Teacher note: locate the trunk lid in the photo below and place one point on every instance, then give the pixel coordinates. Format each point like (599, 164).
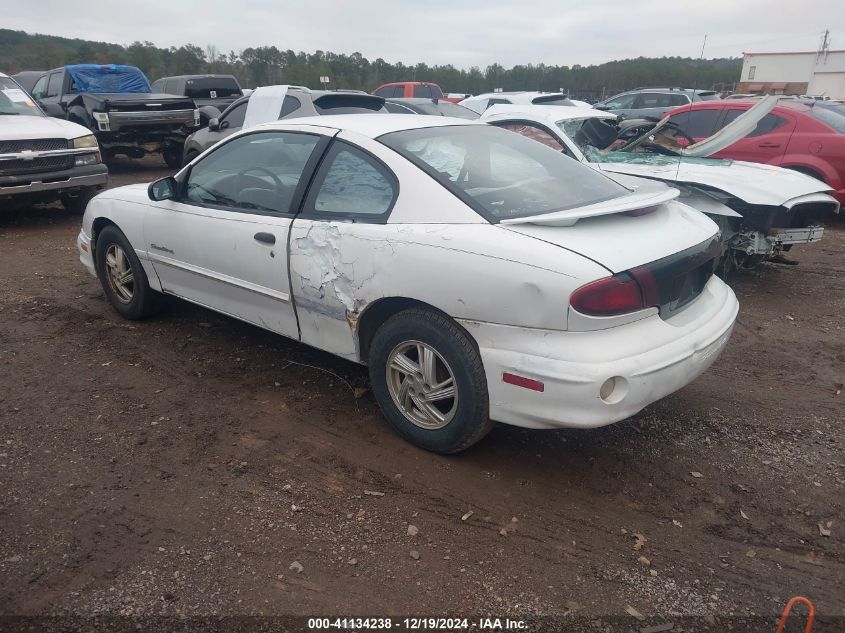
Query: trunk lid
(621, 240)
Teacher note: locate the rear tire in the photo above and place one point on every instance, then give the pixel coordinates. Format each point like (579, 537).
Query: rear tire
(416, 357)
(122, 276)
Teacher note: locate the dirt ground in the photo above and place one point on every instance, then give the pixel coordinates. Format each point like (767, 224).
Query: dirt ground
(193, 465)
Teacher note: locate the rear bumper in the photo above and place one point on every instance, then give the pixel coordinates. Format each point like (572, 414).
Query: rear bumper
(90, 176)
(650, 359)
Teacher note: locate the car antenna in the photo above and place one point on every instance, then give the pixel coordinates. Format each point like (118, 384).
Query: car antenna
(691, 101)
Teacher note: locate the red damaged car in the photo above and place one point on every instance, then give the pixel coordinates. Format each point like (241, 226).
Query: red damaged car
(802, 135)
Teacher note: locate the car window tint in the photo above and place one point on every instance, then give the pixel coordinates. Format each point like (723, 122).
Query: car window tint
(677, 100)
(289, 106)
(535, 133)
(257, 172)
(236, 115)
(652, 100)
(54, 84)
(423, 92)
(353, 184)
(436, 93)
(697, 123)
(620, 102)
(39, 90)
(397, 108)
(501, 174)
(767, 124)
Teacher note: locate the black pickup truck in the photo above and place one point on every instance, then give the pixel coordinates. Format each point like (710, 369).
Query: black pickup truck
(118, 105)
(211, 93)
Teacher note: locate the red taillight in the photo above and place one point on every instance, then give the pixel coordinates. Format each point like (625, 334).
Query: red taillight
(610, 296)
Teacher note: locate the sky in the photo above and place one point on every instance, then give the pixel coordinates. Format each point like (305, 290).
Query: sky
(463, 33)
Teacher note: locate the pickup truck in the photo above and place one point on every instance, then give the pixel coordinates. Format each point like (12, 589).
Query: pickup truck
(43, 159)
(118, 105)
(211, 93)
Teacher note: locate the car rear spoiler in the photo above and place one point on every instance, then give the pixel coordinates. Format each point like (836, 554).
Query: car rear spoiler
(637, 201)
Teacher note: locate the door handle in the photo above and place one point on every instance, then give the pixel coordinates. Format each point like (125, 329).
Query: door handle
(265, 238)
(768, 144)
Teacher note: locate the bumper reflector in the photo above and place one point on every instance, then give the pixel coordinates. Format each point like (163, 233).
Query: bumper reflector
(522, 381)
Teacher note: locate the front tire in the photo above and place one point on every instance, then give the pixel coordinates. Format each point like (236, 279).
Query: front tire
(172, 157)
(122, 276)
(76, 202)
(429, 381)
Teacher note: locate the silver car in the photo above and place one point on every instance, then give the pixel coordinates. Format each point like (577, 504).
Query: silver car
(298, 102)
(652, 102)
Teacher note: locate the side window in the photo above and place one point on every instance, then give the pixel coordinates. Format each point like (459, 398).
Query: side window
(697, 123)
(678, 100)
(352, 183)
(289, 106)
(621, 102)
(651, 100)
(235, 116)
(39, 90)
(399, 91)
(385, 91)
(436, 93)
(172, 87)
(423, 91)
(535, 133)
(768, 123)
(54, 84)
(397, 108)
(255, 172)
(157, 85)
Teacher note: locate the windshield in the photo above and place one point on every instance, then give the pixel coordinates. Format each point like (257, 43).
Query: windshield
(830, 115)
(212, 88)
(501, 174)
(13, 100)
(597, 139)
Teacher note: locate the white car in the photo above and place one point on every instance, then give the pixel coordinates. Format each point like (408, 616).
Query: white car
(479, 275)
(760, 209)
(479, 103)
(43, 159)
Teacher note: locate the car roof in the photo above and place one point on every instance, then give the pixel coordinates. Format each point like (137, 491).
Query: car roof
(415, 100)
(793, 104)
(370, 125)
(408, 83)
(548, 113)
(206, 76)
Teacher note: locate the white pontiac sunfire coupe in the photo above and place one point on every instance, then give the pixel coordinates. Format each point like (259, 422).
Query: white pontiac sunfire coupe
(480, 275)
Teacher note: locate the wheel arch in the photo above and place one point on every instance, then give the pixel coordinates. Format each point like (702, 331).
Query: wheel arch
(379, 311)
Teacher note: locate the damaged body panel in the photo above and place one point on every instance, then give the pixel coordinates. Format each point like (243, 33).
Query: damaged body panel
(479, 275)
(759, 208)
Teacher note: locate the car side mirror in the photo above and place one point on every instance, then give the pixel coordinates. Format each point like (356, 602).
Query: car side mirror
(223, 125)
(601, 106)
(214, 124)
(162, 189)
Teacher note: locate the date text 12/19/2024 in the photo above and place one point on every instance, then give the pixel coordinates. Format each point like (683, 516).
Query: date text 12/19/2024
(416, 624)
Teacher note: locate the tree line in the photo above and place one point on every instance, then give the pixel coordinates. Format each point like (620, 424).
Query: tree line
(265, 65)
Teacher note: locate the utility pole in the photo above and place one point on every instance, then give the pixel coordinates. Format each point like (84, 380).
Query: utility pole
(825, 46)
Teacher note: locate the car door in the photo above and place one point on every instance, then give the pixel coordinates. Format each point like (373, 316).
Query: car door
(342, 223)
(765, 144)
(49, 89)
(223, 241)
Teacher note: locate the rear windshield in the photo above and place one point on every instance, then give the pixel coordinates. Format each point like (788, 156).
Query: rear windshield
(340, 103)
(212, 88)
(831, 115)
(444, 108)
(501, 174)
(13, 100)
(558, 100)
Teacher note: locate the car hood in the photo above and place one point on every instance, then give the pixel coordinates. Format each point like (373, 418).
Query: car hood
(753, 183)
(32, 127)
